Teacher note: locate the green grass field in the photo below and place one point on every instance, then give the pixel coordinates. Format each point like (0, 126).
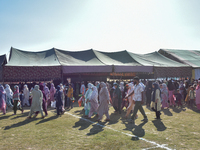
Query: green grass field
(178, 129)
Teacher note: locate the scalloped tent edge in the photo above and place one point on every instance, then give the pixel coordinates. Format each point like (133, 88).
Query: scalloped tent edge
(54, 63)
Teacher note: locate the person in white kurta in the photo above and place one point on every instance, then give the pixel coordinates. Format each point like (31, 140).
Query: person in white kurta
(37, 98)
(26, 96)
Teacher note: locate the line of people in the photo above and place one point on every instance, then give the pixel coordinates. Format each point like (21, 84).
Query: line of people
(96, 98)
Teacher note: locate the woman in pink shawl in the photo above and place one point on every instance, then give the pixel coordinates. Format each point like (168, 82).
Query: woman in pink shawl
(52, 93)
(104, 101)
(164, 96)
(198, 95)
(2, 99)
(93, 101)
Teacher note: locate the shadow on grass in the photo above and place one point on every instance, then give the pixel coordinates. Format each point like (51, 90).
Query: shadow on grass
(114, 118)
(82, 124)
(135, 138)
(4, 117)
(96, 128)
(137, 130)
(24, 122)
(196, 110)
(167, 112)
(149, 108)
(22, 115)
(79, 112)
(159, 125)
(47, 119)
(178, 109)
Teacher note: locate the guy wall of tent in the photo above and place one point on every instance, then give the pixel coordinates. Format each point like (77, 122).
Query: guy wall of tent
(59, 64)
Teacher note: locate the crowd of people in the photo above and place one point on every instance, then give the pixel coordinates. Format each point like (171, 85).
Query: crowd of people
(96, 97)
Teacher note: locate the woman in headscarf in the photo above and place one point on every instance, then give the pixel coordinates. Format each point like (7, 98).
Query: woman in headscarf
(9, 96)
(171, 89)
(182, 89)
(44, 101)
(52, 93)
(37, 97)
(148, 93)
(109, 88)
(87, 97)
(117, 98)
(46, 92)
(188, 88)
(131, 100)
(164, 96)
(70, 96)
(59, 102)
(156, 100)
(104, 101)
(93, 101)
(125, 102)
(97, 84)
(63, 96)
(2, 99)
(123, 89)
(16, 100)
(198, 95)
(26, 96)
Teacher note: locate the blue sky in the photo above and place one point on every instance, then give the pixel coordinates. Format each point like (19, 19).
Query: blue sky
(139, 26)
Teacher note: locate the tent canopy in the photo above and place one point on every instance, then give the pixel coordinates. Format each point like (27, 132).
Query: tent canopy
(3, 61)
(156, 59)
(56, 57)
(189, 57)
(32, 66)
(27, 58)
(23, 64)
(78, 58)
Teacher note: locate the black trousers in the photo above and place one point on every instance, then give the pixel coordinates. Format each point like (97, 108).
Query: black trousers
(59, 110)
(138, 106)
(157, 112)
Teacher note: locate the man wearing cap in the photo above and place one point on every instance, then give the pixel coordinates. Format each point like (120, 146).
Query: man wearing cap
(138, 98)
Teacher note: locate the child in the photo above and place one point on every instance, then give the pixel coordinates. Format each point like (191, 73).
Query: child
(178, 97)
(191, 96)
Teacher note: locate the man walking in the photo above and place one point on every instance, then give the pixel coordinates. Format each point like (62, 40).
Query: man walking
(138, 98)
